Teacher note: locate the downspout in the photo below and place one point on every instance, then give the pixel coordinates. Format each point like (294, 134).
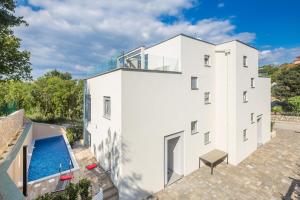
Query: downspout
(85, 137)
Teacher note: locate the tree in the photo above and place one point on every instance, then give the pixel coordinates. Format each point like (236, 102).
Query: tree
(14, 64)
(56, 73)
(277, 109)
(295, 103)
(288, 83)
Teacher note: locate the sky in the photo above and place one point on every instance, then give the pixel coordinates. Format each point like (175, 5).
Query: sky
(79, 36)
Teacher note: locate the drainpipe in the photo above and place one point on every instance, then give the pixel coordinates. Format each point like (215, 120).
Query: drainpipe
(85, 137)
(25, 171)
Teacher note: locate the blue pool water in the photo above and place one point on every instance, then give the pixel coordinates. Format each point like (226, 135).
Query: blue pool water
(46, 158)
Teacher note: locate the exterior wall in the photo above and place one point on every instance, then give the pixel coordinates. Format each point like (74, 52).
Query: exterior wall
(244, 110)
(263, 106)
(15, 170)
(225, 111)
(106, 133)
(41, 130)
(148, 106)
(9, 126)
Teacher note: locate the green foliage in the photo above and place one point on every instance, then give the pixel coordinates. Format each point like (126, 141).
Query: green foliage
(277, 109)
(295, 103)
(14, 64)
(84, 189)
(48, 99)
(70, 136)
(288, 82)
(270, 71)
(76, 131)
(71, 192)
(56, 73)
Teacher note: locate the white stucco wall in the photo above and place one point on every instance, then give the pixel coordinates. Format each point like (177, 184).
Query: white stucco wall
(147, 106)
(106, 133)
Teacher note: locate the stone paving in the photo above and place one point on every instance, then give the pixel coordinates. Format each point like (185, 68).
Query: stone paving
(271, 172)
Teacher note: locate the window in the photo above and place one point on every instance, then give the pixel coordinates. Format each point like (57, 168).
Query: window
(252, 118)
(206, 97)
(245, 61)
(252, 83)
(106, 107)
(206, 138)
(245, 98)
(194, 127)
(88, 107)
(194, 83)
(245, 138)
(206, 60)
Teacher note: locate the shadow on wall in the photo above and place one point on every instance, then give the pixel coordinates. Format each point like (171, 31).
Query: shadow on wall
(294, 189)
(112, 148)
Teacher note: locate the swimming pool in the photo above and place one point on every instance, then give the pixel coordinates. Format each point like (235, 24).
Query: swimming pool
(47, 157)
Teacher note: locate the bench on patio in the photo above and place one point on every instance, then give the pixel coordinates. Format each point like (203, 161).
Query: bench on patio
(213, 158)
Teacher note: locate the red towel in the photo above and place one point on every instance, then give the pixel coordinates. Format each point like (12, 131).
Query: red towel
(66, 177)
(92, 166)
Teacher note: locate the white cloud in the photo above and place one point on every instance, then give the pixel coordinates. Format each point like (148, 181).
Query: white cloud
(221, 5)
(278, 55)
(65, 34)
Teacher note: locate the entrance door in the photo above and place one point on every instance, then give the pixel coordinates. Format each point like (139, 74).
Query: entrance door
(173, 158)
(259, 131)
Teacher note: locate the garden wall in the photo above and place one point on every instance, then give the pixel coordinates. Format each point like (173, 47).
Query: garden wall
(285, 118)
(9, 127)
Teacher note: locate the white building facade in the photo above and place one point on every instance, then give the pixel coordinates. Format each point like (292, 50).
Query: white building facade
(150, 119)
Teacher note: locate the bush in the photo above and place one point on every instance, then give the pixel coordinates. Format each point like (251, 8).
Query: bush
(294, 102)
(70, 137)
(84, 188)
(76, 131)
(277, 109)
(71, 192)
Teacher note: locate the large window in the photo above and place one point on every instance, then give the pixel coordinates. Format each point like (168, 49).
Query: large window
(245, 137)
(88, 107)
(206, 97)
(194, 83)
(106, 107)
(245, 97)
(206, 60)
(245, 61)
(194, 127)
(206, 138)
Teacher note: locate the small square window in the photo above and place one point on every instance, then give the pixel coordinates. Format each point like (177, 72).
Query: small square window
(206, 60)
(245, 61)
(194, 127)
(245, 97)
(252, 83)
(245, 138)
(206, 138)
(206, 97)
(194, 83)
(106, 107)
(252, 118)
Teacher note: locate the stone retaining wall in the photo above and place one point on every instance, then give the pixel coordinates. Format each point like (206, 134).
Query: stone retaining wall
(9, 127)
(285, 118)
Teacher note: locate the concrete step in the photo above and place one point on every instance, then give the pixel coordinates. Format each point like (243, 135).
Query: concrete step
(110, 193)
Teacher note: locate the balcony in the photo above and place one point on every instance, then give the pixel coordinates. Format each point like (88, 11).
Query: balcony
(138, 59)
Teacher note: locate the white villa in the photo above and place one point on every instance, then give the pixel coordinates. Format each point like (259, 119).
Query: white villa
(150, 119)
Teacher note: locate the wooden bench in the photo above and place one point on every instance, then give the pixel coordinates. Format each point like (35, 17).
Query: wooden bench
(213, 158)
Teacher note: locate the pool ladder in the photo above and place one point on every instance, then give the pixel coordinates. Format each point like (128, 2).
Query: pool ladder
(60, 167)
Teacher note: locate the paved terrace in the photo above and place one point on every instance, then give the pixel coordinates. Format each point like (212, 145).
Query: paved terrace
(272, 172)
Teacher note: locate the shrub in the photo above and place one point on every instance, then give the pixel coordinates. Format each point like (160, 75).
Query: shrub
(84, 188)
(72, 191)
(70, 137)
(76, 131)
(295, 103)
(277, 109)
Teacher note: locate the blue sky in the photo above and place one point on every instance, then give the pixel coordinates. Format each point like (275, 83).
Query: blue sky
(77, 36)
